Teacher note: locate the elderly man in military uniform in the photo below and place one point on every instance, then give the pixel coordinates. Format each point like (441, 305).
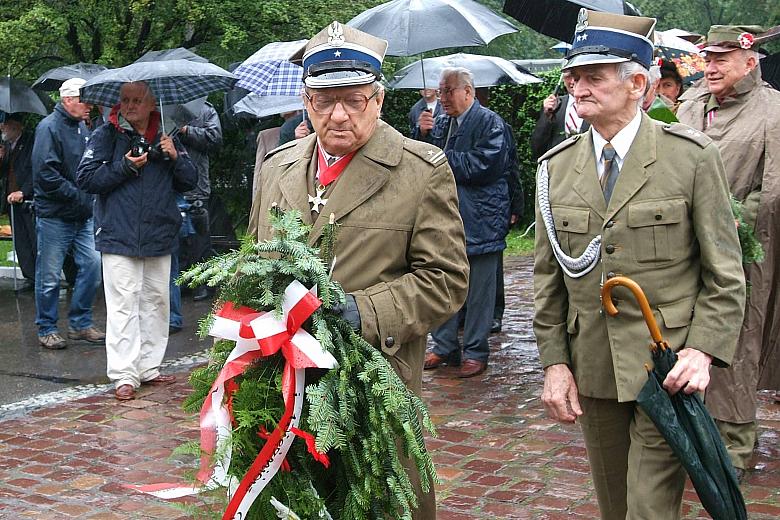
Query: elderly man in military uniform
(740, 113)
(634, 197)
(400, 252)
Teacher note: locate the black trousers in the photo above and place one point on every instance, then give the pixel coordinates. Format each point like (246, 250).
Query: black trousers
(23, 228)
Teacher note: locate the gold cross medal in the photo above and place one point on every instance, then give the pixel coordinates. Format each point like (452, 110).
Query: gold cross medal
(317, 200)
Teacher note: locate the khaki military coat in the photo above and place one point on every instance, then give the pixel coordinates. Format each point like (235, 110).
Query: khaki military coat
(400, 248)
(668, 226)
(746, 129)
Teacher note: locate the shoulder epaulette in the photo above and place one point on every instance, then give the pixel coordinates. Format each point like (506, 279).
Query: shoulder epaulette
(425, 151)
(561, 146)
(285, 146)
(686, 132)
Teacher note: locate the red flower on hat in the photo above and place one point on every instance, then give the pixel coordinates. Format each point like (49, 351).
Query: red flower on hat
(745, 40)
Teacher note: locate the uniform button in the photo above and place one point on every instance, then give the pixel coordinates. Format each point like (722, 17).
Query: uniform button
(609, 249)
(610, 275)
(658, 217)
(609, 224)
(389, 341)
(565, 222)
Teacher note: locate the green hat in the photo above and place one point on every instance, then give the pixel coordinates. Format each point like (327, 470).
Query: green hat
(726, 38)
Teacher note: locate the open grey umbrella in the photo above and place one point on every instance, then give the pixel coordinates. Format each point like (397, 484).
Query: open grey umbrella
(488, 71)
(415, 26)
(17, 96)
(684, 421)
(262, 106)
(557, 18)
(179, 53)
(53, 78)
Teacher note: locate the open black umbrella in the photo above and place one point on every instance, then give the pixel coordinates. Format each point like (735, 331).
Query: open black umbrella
(53, 78)
(17, 96)
(684, 421)
(557, 18)
(770, 70)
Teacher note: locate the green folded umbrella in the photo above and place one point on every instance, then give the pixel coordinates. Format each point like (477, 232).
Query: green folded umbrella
(684, 422)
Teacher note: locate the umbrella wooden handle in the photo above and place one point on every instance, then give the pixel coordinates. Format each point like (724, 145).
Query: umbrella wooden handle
(606, 298)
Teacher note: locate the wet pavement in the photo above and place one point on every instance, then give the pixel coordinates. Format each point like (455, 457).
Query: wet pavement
(28, 371)
(497, 455)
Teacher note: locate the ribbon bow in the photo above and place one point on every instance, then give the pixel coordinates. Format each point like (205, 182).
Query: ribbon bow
(257, 335)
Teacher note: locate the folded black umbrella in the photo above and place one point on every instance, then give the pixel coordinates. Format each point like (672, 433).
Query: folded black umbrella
(684, 422)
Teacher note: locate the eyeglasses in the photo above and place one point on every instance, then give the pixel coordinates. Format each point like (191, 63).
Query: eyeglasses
(448, 91)
(353, 103)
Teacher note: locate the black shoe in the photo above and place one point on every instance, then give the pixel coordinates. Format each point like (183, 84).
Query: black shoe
(496, 326)
(173, 329)
(200, 293)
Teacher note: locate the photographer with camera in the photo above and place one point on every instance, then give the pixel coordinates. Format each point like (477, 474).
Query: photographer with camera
(136, 172)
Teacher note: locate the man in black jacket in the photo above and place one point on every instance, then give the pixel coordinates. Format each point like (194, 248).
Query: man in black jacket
(64, 221)
(16, 171)
(136, 172)
(557, 121)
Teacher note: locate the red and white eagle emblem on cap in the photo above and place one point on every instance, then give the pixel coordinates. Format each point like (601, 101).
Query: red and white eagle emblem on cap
(745, 40)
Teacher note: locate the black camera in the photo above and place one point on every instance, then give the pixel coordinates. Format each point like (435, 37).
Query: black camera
(140, 146)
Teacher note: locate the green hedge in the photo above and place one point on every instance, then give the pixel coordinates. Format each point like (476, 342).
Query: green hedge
(232, 166)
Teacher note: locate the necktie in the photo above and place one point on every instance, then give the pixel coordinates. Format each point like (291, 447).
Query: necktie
(610, 173)
(331, 160)
(572, 123)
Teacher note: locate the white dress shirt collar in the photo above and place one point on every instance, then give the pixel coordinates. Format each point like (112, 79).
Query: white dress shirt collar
(621, 142)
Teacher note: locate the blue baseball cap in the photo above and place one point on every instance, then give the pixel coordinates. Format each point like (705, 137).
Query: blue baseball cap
(611, 38)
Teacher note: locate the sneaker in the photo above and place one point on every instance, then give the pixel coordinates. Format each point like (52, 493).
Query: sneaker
(52, 341)
(90, 334)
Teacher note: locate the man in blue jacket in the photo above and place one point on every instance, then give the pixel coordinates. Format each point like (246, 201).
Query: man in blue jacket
(64, 221)
(475, 143)
(136, 172)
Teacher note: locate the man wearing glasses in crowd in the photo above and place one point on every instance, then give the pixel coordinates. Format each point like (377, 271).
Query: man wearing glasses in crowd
(476, 143)
(400, 249)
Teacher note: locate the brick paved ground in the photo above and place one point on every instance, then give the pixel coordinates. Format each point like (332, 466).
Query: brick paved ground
(497, 455)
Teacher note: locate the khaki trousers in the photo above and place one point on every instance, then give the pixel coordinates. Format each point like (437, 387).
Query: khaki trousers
(635, 473)
(137, 309)
(740, 440)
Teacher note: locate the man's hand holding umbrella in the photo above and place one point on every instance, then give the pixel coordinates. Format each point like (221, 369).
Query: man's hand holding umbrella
(691, 373)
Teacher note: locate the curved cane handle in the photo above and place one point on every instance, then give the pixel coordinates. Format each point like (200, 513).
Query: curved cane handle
(606, 298)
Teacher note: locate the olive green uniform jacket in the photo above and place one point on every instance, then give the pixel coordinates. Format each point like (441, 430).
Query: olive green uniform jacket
(400, 248)
(668, 226)
(746, 130)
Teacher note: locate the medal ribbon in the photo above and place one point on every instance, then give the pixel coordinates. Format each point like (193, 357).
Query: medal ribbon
(328, 174)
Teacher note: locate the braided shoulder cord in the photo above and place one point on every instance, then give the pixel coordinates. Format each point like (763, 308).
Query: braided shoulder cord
(573, 267)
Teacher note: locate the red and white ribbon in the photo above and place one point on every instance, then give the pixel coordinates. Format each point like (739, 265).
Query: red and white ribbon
(257, 335)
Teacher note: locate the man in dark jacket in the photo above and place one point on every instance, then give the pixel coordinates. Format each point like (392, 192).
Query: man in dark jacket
(16, 172)
(475, 143)
(557, 121)
(428, 102)
(64, 221)
(201, 136)
(136, 172)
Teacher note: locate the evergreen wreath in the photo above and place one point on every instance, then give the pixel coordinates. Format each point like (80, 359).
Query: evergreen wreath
(752, 250)
(360, 413)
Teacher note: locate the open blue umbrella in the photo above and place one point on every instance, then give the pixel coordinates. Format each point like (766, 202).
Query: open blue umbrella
(268, 72)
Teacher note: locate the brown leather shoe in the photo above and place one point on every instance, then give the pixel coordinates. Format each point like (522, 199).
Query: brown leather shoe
(433, 360)
(162, 379)
(472, 367)
(125, 393)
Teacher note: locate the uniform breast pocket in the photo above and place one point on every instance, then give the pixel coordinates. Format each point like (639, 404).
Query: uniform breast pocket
(660, 230)
(571, 226)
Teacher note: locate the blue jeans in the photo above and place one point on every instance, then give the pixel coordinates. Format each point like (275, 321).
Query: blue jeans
(176, 319)
(55, 238)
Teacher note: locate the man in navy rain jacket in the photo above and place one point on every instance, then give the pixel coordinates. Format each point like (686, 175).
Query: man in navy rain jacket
(475, 142)
(135, 172)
